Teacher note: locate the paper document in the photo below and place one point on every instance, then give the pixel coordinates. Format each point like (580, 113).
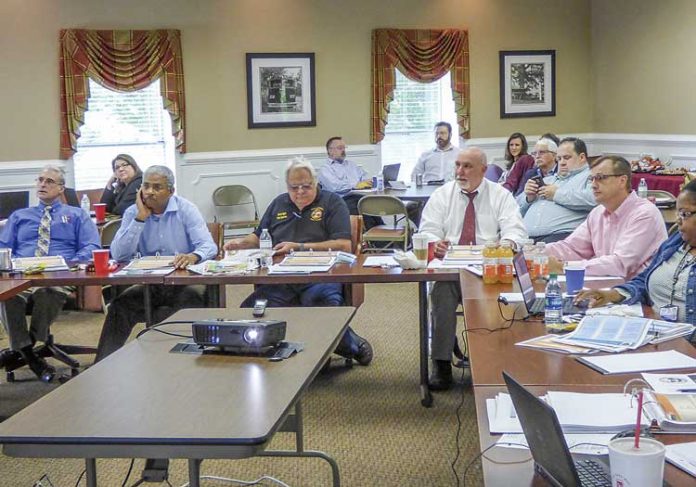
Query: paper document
(683, 456)
(151, 262)
(49, 263)
(579, 443)
(212, 267)
(380, 261)
(550, 344)
(639, 362)
(609, 333)
(671, 383)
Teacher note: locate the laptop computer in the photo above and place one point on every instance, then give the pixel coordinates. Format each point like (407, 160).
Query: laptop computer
(534, 305)
(552, 458)
(391, 172)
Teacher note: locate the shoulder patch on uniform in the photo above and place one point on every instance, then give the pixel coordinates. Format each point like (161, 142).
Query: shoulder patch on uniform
(317, 214)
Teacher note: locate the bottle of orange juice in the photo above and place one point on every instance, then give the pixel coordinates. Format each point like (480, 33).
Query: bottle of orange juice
(505, 256)
(490, 262)
(541, 261)
(529, 255)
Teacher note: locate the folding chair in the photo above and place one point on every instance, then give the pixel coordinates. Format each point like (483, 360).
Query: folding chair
(380, 237)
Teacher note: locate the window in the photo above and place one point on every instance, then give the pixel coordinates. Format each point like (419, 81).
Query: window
(413, 113)
(134, 123)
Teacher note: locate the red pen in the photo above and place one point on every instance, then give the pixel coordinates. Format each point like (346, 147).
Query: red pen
(640, 412)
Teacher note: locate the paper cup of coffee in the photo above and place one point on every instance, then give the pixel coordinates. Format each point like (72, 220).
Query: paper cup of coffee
(636, 467)
(420, 247)
(575, 277)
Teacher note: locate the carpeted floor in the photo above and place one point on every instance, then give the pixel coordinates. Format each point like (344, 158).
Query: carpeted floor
(367, 418)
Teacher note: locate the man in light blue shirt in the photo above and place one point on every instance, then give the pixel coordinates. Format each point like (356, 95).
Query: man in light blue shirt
(339, 175)
(554, 209)
(69, 232)
(158, 222)
(437, 165)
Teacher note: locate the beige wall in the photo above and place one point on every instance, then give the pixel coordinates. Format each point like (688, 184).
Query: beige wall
(216, 34)
(644, 66)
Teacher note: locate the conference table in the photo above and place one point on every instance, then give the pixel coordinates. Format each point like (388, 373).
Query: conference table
(344, 274)
(8, 289)
(145, 401)
(491, 346)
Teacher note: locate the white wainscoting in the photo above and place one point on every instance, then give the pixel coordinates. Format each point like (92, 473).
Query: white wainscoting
(680, 148)
(21, 176)
(263, 171)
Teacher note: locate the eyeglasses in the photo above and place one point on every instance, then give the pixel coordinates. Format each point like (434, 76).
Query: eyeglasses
(541, 153)
(297, 187)
(602, 177)
(119, 166)
(47, 181)
(683, 214)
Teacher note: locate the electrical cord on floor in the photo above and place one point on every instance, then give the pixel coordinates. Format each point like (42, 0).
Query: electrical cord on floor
(241, 482)
(130, 469)
(165, 323)
(482, 454)
(80, 477)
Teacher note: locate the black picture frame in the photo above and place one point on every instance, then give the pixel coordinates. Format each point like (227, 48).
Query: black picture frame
(527, 84)
(280, 90)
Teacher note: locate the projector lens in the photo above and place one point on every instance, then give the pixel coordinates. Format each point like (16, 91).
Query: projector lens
(251, 335)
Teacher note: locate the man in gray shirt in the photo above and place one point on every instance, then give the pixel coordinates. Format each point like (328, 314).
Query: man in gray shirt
(554, 206)
(438, 164)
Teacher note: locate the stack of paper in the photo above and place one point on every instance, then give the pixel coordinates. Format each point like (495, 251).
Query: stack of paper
(639, 362)
(304, 263)
(461, 255)
(683, 455)
(577, 412)
(45, 263)
(156, 264)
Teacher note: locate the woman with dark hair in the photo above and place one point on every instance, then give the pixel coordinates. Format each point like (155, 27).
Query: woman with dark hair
(669, 283)
(123, 186)
(518, 162)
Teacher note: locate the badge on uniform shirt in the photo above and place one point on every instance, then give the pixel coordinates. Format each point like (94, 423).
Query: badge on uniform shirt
(317, 214)
(281, 215)
(669, 312)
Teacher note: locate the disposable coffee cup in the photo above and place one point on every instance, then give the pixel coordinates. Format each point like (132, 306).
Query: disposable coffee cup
(101, 261)
(575, 277)
(636, 467)
(5, 260)
(100, 211)
(420, 247)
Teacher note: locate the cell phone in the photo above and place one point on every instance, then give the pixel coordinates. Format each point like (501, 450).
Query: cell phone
(538, 180)
(259, 307)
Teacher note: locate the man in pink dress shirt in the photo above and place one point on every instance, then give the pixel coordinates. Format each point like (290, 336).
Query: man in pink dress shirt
(621, 234)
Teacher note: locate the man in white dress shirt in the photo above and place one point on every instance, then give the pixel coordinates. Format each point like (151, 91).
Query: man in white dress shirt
(468, 210)
(438, 164)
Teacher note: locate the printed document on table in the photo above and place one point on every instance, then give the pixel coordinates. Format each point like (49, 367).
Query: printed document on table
(579, 443)
(672, 383)
(380, 261)
(610, 333)
(683, 455)
(639, 362)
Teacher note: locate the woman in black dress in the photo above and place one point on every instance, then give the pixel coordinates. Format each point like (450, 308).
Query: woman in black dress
(123, 186)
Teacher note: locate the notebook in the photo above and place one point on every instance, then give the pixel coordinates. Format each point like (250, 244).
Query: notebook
(552, 458)
(534, 305)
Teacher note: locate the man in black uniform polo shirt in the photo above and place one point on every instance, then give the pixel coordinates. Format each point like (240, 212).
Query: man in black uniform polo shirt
(306, 218)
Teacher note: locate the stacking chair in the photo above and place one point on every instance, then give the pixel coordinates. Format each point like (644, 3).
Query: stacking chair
(493, 172)
(108, 232)
(380, 237)
(666, 203)
(235, 207)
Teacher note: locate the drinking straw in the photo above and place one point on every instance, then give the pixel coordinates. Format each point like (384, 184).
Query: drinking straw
(636, 439)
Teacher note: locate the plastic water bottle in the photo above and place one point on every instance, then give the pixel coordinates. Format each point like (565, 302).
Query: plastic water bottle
(553, 309)
(642, 188)
(85, 204)
(379, 182)
(266, 243)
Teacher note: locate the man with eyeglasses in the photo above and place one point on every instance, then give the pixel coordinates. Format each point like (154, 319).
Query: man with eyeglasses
(620, 235)
(158, 223)
(49, 228)
(554, 206)
(544, 155)
(305, 218)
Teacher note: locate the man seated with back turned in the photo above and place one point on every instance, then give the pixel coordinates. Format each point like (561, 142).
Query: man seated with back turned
(158, 222)
(305, 218)
(437, 165)
(50, 228)
(621, 234)
(469, 210)
(553, 209)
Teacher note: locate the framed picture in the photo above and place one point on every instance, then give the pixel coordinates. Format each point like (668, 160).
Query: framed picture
(280, 90)
(527, 84)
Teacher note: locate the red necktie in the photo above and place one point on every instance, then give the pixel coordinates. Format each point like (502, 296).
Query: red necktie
(468, 236)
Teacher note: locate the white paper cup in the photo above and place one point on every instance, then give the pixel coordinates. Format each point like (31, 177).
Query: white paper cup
(420, 247)
(636, 467)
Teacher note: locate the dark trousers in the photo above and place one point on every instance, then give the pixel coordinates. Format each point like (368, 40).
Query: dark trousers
(287, 295)
(47, 304)
(128, 309)
(554, 237)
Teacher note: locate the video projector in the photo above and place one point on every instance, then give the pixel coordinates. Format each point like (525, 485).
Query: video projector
(239, 336)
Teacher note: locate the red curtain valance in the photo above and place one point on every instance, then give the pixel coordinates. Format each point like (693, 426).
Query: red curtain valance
(125, 60)
(421, 55)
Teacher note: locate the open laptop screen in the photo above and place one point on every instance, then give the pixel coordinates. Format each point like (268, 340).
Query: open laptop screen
(524, 279)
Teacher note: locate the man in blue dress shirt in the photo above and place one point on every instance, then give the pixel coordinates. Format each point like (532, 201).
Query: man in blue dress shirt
(49, 228)
(158, 222)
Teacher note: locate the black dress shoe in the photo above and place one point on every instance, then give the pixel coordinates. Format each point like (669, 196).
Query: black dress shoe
(365, 353)
(441, 377)
(38, 365)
